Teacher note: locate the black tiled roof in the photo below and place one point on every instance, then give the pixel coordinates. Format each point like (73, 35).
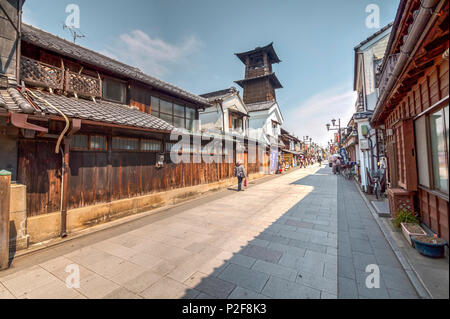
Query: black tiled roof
(217, 95)
(259, 106)
(374, 35)
(273, 57)
(58, 45)
(272, 77)
(100, 111)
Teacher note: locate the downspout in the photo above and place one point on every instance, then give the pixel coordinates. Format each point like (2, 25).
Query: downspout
(65, 167)
(64, 186)
(223, 116)
(406, 51)
(19, 40)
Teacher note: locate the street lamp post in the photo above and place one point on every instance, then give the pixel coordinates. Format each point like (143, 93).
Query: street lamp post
(335, 127)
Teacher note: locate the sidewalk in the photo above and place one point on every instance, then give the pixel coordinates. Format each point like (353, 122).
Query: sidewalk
(274, 240)
(360, 243)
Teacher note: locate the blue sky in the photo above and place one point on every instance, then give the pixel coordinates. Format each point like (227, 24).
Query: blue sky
(191, 43)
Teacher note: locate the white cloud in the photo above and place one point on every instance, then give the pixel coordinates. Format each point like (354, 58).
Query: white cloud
(27, 15)
(152, 55)
(310, 117)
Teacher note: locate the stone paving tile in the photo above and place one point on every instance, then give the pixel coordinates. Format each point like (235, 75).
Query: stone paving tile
(142, 281)
(165, 288)
(122, 293)
(288, 249)
(25, 281)
(308, 245)
(318, 282)
(53, 290)
(275, 270)
(360, 243)
(285, 289)
(244, 277)
(326, 295)
(273, 238)
(96, 287)
(261, 253)
(242, 260)
(5, 294)
(326, 258)
(242, 293)
(215, 287)
(347, 288)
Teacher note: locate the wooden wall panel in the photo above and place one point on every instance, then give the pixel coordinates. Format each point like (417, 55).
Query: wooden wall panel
(39, 168)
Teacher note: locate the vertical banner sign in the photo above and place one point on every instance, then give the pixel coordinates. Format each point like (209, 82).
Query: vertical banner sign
(273, 160)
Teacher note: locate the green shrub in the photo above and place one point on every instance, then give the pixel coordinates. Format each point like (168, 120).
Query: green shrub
(404, 216)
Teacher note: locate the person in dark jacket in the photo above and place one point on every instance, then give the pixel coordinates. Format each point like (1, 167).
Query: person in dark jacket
(239, 172)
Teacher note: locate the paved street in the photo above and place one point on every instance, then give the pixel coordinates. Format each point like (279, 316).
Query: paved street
(277, 239)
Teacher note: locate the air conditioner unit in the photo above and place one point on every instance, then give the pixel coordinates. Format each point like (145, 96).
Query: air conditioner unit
(389, 132)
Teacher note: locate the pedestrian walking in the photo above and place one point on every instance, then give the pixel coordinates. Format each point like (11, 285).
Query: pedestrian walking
(319, 159)
(239, 172)
(337, 164)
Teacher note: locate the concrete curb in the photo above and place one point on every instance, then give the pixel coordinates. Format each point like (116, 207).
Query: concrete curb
(407, 266)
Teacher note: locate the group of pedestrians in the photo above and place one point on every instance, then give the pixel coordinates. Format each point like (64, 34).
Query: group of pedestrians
(241, 175)
(335, 163)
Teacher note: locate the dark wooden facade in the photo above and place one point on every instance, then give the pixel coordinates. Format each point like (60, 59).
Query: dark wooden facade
(422, 90)
(100, 176)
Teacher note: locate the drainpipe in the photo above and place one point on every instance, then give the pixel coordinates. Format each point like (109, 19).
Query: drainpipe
(64, 185)
(65, 167)
(414, 37)
(19, 40)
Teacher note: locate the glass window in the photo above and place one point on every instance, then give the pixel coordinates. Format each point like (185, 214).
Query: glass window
(189, 124)
(438, 151)
(178, 110)
(166, 117)
(114, 90)
(150, 145)
(165, 107)
(128, 144)
(190, 113)
(97, 142)
(178, 121)
(422, 151)
(155, 106)
(79, 141)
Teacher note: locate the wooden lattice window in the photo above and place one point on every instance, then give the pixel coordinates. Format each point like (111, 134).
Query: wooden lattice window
(83, 84)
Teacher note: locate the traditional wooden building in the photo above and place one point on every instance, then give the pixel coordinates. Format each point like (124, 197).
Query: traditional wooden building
(369, 55)
(291, 150)
(89, 137)
(413, 111)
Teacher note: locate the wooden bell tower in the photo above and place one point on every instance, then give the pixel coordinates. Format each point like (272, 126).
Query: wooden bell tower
(260, 81)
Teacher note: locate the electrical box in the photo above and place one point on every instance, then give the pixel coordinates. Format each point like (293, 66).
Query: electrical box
(364, 144)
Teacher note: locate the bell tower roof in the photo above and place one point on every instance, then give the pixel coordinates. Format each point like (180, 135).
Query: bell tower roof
(268, 49)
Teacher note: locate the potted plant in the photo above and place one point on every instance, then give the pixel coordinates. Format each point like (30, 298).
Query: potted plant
(409, 225)
(430, 246)
(412, 229)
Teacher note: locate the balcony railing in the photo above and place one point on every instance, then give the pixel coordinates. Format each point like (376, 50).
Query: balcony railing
(387, 72)
(83, 84)
(40, 74)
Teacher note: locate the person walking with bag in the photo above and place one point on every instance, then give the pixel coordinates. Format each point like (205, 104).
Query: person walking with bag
(239, 172)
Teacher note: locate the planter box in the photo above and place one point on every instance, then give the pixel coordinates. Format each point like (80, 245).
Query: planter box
(407, 233)
(430, 249)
